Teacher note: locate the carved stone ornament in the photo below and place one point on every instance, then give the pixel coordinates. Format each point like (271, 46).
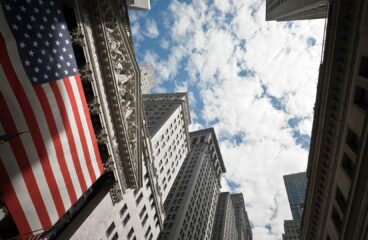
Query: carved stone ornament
(121, 77)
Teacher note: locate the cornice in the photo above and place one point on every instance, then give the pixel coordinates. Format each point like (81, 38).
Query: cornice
(328, 125)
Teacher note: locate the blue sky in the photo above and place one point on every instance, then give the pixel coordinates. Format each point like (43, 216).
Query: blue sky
(253, 81)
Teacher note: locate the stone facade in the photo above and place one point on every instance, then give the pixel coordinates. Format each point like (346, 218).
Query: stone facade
(337, 195)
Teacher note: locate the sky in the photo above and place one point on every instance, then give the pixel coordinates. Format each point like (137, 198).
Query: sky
(253, 81)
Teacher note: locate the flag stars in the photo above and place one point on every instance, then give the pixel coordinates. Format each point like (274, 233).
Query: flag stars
(44, 19)
(53, 27)
(27, 63)
(51, 59)
(34, 79)
(26, 35)
(36, 10)
(57, 42)
(48, 11)
(45, 76)
(31, 53)
(15, 26)
(67, 42)
(56, 74)
(58, 65)
(62, 26)
(32, 18)
(61, 57)
(74, 70)
(22, 8)
(36, 69)
(35, 44)
(51, 3)
(43, 52)
(48, 68)
(47, 43)
(22, 44)
(19, 18)
(64, 49)
(42, 27)
(54, 50)
(66, 72)
(7, 7)
(50, 35)
(60, 34)
(58, 12)
(29, 26)
(39, 60)
(39, 35)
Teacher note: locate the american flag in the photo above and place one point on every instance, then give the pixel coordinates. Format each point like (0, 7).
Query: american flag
(44, 171)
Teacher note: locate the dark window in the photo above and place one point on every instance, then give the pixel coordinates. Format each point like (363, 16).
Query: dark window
(352, 141)
(115, 237)
(110, 229)
(142, 212)
(139, 198)
(123, 210)
(194, 140)
(340, 199)
(361, 97)
(363, 68)
(145, 219)
(126, 219)
(348, 165)
(130, 233)
(336, 220)
(147, 232)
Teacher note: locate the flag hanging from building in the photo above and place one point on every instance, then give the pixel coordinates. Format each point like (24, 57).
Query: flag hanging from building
(44, 171)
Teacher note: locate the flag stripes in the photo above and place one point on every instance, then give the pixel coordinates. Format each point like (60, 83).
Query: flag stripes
(44, 171)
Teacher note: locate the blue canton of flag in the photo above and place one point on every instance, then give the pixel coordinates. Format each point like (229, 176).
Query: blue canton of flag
(42, 38)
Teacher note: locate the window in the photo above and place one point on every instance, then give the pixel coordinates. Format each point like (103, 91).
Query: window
(336, 220)
(363, 68)
(145, 219)
(110, 229)
(147, 232)
(126, 219)
(348, 165)
(194, 140)
(130, 233)
(143, 211)
(123, 210)
(139, 199)
(115, 237)
(361, 97)
(352, 141)
(340, 199)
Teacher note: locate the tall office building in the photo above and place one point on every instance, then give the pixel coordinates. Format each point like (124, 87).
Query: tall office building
(336, 206)
(241, 217)
(191, 204)
(91, 143)
(289, 10)
(148, 79)
(231, 220)
(168, 120)
(292, 229)
(296, 185)
(224, 226)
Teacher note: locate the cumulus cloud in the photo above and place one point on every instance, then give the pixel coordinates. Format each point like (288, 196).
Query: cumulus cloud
(151, 29)
(255, 82)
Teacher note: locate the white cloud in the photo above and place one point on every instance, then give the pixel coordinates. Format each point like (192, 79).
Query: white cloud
(212, 42)
(151, 29)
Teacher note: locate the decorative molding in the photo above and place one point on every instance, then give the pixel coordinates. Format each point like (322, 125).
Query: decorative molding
(121, 78)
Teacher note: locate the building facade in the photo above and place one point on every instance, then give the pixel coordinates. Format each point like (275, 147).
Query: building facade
(231, 220)
(336, 203)
(241, 217)
(191, 204)
(296, 185)
(148, 79)
(289, 10)
(292, 230)
(168, 120)
(224, 226)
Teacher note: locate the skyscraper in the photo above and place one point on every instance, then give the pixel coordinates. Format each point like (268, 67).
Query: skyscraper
(224, 226)
(191, 204)
(288, 10)
(241, 217)
(296, 185)
(168, 120)
(231, 220)
(147, 78)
